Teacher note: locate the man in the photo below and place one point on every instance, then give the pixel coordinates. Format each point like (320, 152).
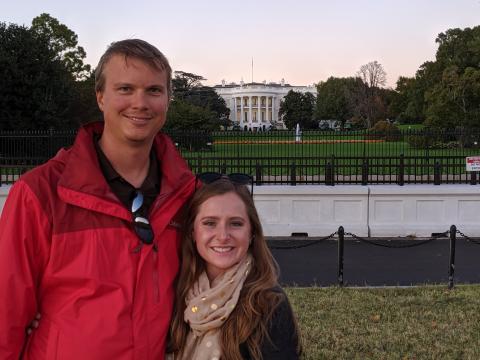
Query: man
(90, 239)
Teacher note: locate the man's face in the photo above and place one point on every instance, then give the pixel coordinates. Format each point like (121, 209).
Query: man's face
(134, 101)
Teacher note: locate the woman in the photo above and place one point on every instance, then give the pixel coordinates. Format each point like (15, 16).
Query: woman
(228, 303)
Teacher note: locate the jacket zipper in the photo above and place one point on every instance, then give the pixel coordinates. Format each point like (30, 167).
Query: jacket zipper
(156, 287)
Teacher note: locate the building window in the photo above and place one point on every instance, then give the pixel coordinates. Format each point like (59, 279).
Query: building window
(246, 116)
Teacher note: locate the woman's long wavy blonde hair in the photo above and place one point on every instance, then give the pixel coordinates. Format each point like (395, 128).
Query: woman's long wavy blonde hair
(248, 323)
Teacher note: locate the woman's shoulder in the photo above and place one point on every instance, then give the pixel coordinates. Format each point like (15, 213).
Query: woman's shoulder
(283, 342)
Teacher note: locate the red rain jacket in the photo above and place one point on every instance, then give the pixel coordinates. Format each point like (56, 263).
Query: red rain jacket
(67, 251)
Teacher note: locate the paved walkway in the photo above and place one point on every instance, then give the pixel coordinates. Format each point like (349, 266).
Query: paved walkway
(368, 265)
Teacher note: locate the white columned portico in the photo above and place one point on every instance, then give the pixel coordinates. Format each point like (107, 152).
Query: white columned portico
(250, 119)
(241, 110)
(266, 108)
(274, 116)
(235, 109)
(259, 111)
(249, 113)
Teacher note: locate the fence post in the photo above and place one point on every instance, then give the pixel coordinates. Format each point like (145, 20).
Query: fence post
(329, 179)
(401, 171)
(293, 174)
(365, 172)
(473, 178)
(199, 165)
(436, 173)
(223, 168)
(341, 238)
(258, 174)
(328, 173)
(451, 265)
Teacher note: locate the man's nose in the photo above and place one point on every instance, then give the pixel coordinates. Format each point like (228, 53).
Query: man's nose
(140, 100)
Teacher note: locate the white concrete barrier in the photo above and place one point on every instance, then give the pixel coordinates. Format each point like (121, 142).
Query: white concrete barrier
(420, 210)
(375, 210)
(315, 210)
(4, 189)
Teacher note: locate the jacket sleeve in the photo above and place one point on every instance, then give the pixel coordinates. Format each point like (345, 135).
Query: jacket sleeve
(283, 335)
(24, 244)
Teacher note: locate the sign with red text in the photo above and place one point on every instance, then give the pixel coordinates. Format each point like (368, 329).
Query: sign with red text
(473, 163)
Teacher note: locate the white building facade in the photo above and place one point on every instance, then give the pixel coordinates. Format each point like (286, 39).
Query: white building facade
(255, 106)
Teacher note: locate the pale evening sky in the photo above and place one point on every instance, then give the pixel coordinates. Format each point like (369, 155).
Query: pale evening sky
(302, 41)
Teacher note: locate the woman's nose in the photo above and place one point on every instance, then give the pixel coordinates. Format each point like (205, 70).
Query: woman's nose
(223, 233)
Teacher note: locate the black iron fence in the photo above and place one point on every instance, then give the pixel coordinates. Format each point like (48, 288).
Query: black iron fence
(286, 157)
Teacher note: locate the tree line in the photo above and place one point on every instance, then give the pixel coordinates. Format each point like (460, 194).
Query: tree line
(443, 94)
(47, 85)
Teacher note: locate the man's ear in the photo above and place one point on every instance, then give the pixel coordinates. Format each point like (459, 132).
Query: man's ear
(99, 95)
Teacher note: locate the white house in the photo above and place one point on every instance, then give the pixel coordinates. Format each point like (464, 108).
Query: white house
(254, 106)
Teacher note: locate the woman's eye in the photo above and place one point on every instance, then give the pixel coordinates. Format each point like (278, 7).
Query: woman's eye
(209, 223)
(237, 223)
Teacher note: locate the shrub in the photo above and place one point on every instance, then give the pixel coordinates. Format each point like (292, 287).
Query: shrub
(386, 131)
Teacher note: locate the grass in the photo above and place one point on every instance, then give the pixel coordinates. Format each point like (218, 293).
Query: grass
(428, 322)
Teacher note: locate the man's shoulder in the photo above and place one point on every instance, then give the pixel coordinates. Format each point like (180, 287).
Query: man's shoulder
(46, 175)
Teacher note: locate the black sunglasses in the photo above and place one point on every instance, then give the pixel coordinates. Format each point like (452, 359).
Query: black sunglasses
(142, 225)
(236, 178)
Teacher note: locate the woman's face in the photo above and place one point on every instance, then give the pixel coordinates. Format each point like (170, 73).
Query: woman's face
(222, 232)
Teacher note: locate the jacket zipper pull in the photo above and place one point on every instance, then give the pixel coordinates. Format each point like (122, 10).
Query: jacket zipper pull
(137, 248)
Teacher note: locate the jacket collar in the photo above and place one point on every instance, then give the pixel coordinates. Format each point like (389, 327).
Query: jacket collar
(83, 184)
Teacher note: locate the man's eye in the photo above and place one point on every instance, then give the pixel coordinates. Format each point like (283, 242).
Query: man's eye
(156, 90)
(124, 89)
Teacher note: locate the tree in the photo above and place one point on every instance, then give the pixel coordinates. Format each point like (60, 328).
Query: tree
(452, 83)
(184, 82)
(408, 101)
(370, 105)
(335, 99)
(64, 43)
(37, 90)
(184, 116)
(298, 108)
(455, 101)
(188, 89)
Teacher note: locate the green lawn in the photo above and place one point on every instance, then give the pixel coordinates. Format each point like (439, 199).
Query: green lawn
(384, 157)
(427, 322)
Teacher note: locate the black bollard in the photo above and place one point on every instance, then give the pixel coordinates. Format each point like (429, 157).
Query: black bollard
(451, 268)
(341, 240)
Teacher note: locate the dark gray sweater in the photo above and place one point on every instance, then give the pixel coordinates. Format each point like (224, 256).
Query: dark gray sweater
(282, 333)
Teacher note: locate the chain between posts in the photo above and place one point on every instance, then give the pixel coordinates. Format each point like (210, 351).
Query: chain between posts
(397, 246)
(375, 243)
(468, 238)
(310, 243)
